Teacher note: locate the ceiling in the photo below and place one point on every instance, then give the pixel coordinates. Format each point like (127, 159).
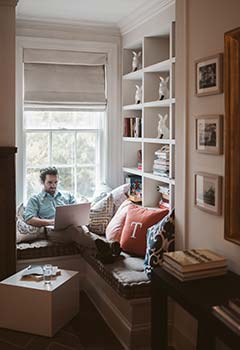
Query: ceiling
(105, 12)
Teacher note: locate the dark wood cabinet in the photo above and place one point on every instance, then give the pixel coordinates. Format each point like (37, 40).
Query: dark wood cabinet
(7, 212)
(196, 297)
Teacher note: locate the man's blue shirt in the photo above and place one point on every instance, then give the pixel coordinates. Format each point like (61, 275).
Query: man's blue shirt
(43, 205)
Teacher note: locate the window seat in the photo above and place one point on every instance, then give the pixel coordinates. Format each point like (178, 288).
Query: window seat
(44, 249)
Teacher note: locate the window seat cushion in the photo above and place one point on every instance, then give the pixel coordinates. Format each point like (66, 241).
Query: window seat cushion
(45, 248)
(126, 275)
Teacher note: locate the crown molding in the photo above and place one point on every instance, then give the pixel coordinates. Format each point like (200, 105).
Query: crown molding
(28, 25)
(143, 14)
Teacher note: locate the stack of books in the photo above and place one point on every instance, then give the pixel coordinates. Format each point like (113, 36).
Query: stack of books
(132, 127)
(161, 163)
(229, 314)
(193, 264)
(164, 196)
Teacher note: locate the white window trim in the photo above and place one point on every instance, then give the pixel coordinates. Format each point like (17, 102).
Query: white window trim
(112, 172)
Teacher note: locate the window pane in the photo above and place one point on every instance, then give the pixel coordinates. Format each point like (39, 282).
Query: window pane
(85, 182)
(62, 148)
(86, 148)
(63, 119)
(33, 182)
(66, 179)
(36, 119)
(37, 145)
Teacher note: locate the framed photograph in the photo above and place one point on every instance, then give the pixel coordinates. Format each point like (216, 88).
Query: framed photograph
(209, 75)
(209, 134)
(208, 192)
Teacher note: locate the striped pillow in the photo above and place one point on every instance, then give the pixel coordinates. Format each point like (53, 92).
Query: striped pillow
(100, 215)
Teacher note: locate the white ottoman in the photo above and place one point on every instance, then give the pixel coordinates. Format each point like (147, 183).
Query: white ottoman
(38, 308)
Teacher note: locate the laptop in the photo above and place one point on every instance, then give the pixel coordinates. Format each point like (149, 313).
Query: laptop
(71, 214)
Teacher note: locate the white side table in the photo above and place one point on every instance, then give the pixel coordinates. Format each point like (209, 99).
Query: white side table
(38, 308)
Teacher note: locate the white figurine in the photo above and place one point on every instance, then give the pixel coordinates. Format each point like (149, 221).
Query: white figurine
(163, 88)
(138, 94)
(136, 60)
(163, 131)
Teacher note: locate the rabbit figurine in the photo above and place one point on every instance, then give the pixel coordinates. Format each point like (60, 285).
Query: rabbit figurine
(138, 94)
(163, 88)
(163, 131)
(136, 61)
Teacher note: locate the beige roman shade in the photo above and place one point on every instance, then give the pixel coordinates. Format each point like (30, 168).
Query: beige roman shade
(64, 77)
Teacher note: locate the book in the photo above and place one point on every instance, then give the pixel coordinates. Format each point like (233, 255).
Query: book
(35, 273)
(193, 275)
(226, 316)
(126, 130)
(234, 304)
(194, 260)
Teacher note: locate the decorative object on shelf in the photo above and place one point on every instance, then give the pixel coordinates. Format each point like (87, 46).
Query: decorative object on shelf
(163, 130)
(136, 60)
(208, 192)
(163, 88)
(138, 94)
(209, 134)
(135, 191)
(209, 75)
(161, 163)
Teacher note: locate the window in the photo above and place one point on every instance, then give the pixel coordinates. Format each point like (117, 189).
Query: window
(71, 140)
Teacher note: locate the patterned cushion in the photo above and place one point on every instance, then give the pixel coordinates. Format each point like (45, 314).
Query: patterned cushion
(25, 232)
(101, 214)
(160, 239)
(119, 196)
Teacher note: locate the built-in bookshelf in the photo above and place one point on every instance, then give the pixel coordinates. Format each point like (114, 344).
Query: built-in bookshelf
(140, 120)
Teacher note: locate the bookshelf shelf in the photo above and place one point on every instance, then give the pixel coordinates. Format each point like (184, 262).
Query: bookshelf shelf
(134, 171)
(132, 139)
(158, 59)
(134, 75)
(133, 107)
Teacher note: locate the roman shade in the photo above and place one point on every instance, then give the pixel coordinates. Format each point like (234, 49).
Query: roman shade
(64, 77)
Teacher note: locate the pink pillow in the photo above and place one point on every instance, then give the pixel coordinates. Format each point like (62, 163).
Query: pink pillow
(138, 220)
(115, 226)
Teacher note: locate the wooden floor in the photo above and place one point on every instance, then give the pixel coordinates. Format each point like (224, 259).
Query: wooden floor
(87, 331)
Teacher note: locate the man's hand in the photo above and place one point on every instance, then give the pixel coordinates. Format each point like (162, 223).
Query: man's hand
(40, 222)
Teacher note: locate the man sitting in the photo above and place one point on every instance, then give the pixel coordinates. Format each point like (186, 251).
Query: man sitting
(40, 211)
(41, 207)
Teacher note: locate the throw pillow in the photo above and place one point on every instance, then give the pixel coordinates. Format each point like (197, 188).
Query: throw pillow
(120, 195)
(160, 239)
(101, 214)
(138, 220)
(25, 232)
(115, 226)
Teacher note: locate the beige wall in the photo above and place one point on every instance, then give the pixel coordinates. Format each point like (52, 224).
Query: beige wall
(203, 23)
(7, 73)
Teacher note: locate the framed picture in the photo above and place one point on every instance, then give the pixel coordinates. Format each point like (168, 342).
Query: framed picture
(209, 75)
(208, 192)
(209, 134)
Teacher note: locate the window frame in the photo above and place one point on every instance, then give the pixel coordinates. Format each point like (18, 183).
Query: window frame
(112, 159)
(97, 165)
